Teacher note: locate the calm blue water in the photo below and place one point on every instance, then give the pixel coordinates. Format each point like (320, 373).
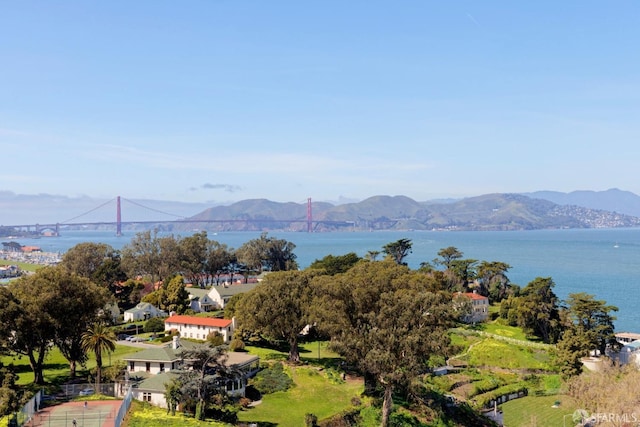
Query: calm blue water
(577, 260)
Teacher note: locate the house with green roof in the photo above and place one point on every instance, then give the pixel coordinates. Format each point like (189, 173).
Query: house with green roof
(152, 369)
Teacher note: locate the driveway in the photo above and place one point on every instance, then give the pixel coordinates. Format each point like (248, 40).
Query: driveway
(141, 344)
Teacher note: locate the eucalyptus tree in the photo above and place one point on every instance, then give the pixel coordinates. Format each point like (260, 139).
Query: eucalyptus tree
(141, 257)
(386, 319)
(151, 256)
(193, 257)
(278, 308)
(86, 258)
(267, 254)
(218, 259)
(50, 306)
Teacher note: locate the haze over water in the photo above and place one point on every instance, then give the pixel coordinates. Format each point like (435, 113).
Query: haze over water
(602, 262)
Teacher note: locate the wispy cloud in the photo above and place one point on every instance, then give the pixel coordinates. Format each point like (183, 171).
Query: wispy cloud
(251, 162)
(229, 188)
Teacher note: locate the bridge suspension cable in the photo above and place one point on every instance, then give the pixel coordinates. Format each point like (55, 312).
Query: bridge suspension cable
(152, 209)
(88, 212)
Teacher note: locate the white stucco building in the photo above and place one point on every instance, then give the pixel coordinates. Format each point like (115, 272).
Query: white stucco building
(199, 327)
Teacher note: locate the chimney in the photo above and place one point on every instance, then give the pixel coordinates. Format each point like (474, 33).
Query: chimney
(176, 342)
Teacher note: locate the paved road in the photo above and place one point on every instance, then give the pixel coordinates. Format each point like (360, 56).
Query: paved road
(141, 344)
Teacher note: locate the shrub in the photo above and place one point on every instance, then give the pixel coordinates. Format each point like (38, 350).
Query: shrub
(215, 339)
(236, 345)
(154, 324)
(310, 420)
(272, 379)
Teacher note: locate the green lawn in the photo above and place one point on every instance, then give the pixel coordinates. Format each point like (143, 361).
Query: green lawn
(492, 352)
(313, 393)
(56, 366)
(538, 411)
(504, 330)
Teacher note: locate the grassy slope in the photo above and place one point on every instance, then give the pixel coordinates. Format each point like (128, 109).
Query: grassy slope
(313, 393)
(538, 411)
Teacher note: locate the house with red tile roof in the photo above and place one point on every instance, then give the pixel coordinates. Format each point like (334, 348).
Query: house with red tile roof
(479, 306)
(199, 327)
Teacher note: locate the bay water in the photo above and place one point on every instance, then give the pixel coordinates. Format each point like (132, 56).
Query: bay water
(602, 262)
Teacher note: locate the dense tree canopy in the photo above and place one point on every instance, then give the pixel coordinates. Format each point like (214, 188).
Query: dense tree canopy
(267, 254)
(385, 319)
(536, 309)
(334, 264)
(193, 257)
(52, 305)
(86, 258)
(593, 319)
(171, 296)
(218, 259)
(278, 308)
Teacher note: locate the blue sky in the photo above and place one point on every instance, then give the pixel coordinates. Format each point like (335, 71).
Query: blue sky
(219, 100)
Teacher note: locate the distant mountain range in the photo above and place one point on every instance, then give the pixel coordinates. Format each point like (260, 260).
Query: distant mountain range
(487, 212)
(526, 211)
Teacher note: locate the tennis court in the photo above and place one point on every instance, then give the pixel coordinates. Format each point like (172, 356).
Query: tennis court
(96, 413)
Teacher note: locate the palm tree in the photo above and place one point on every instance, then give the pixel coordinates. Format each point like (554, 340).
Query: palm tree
(98, 338)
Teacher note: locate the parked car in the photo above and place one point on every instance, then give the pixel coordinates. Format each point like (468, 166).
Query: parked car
(86, 392)
(123, 337)
(136, 339)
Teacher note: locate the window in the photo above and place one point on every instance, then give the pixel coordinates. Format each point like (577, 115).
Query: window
(146, 397)
(162, 367)
(132, 366)
(148, 366)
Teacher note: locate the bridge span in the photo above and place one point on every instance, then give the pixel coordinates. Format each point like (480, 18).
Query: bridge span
(53, 229)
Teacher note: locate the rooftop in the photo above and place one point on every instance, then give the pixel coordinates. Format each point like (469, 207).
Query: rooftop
(195, 320)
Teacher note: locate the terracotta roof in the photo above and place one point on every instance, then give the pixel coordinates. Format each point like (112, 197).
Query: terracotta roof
(472, 295)
(194, 320)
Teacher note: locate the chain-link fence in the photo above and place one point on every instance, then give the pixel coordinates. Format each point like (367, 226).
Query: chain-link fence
(72, 391)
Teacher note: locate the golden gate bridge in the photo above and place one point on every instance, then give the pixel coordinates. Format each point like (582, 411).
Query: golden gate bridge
(53, 229)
